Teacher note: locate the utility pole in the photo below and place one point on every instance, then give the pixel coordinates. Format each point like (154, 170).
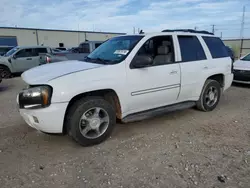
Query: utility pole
(78, 34)
(242, 30)
(213, 28)
(242, 22)
(134, 30)
(221, 35)
(195, 28)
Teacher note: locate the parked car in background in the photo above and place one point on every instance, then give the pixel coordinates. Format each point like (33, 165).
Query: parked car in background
(20, 59)
(88, 46)
(76, 53)
(54, 50)
(130, 78)
(62, 48)
(242, 70)
(5, 49)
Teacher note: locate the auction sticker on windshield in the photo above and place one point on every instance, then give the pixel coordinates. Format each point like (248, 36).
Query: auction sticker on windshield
(121, 52)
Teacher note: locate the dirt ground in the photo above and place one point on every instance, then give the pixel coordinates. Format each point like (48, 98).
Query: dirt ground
(188, 148)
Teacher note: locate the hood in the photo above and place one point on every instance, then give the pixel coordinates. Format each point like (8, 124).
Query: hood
(242, 65)
(44, 73)
(3, 58)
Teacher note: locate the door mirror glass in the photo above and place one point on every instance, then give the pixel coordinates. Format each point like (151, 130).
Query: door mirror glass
(14, 56)
(141, 61)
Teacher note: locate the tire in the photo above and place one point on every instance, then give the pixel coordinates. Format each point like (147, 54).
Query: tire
(203, 103)
(84, 107)
(5, 72)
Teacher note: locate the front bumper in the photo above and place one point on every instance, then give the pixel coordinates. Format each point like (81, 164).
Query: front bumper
(242, 76)
(49, 120)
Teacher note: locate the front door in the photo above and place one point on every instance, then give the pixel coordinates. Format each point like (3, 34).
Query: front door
(23, 60)
(159, 84)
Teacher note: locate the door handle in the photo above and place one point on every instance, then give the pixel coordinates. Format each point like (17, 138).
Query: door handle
(205, 67)
(29, 59)
(173, 72)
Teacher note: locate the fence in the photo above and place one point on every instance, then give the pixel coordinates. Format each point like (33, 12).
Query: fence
(240, 47)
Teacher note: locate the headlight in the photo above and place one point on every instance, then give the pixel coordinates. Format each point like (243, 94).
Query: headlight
(35, 97)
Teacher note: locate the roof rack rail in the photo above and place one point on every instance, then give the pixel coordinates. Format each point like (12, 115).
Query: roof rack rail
(187, 30)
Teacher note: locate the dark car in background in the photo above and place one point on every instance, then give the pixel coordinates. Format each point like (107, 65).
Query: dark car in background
(5, 49)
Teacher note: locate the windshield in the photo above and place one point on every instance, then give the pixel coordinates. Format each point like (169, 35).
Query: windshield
(114, 50)
(246, 58)
(11, 52)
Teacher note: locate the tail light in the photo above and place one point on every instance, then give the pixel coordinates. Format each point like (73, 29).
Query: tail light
(48, 59)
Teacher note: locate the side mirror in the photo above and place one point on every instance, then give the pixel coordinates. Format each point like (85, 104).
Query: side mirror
(141, 61)
(14, 56)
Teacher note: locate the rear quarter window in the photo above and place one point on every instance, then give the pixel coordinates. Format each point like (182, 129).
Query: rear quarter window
(216, 47)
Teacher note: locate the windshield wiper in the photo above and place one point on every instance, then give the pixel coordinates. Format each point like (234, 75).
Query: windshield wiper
(97, 60)
(103, 61)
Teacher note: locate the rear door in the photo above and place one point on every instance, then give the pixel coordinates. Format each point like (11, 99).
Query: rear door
(36, 58)
(194, 66)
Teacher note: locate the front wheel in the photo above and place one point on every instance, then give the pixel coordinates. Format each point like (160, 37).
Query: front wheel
(4, 72)
(91, 120)
(210, 96)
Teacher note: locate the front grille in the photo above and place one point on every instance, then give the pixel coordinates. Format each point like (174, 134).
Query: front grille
(241, 72)
(242, 75)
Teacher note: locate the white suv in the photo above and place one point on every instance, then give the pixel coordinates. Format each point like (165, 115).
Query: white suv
(128, 78)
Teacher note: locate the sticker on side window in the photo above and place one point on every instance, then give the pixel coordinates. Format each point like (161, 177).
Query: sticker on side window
(121, 52)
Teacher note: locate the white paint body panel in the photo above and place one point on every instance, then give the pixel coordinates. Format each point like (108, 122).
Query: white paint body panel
(137, 89)
(50, 119)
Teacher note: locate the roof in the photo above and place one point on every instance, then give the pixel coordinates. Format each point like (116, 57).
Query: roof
(172, 33)
(235, 39)
(35, 46)
(38, 29)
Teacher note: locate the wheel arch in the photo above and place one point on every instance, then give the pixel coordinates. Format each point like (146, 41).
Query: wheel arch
(5, 66)
(219, 78)
(108, 94)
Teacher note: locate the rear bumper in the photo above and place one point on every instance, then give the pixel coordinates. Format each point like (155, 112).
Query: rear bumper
(49, 120)
(228, 81)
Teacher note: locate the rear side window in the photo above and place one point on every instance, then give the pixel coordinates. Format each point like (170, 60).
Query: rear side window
(97, 44)
(191, 49)
(84, 48)
(216, 47)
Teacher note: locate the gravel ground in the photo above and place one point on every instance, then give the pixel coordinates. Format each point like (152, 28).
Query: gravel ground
(188, 148)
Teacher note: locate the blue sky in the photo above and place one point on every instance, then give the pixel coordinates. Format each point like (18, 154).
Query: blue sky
(123, 15)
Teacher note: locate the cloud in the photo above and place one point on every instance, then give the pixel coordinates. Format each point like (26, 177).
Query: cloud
(123, 15)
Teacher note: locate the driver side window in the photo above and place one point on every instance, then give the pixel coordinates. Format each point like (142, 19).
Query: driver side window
(24, 53)
(160, 49)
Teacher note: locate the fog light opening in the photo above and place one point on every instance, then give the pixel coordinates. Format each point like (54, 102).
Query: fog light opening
(35, 119)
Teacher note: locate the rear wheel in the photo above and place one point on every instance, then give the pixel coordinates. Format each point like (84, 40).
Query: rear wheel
(210, 96)
(5, 72)
(91, 120)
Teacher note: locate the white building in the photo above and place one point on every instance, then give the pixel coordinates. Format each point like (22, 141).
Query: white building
(13, 36)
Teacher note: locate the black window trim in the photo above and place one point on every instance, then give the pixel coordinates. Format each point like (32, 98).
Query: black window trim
(201, 47)
(173, 49)
(32, 51)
